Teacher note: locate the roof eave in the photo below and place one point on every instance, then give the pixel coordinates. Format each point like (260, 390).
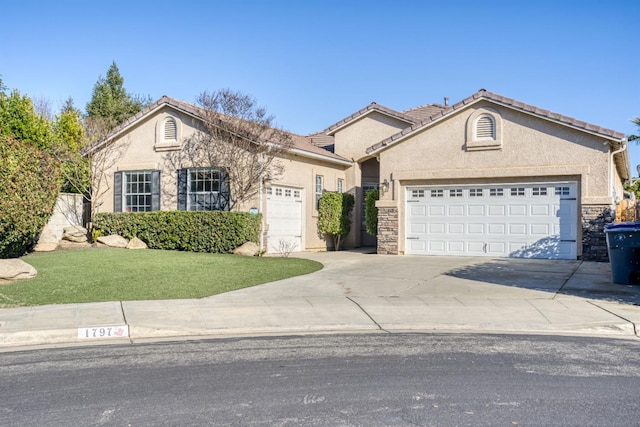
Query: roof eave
(315, 156)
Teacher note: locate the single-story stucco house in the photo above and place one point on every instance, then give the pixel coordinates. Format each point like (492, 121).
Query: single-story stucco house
(487, 176)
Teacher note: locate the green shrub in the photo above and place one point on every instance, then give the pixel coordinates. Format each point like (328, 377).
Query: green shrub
(211, 231)
(370, 211)
(29, 187)
(334, 216)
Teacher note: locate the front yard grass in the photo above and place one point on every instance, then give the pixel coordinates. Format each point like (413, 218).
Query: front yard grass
(95, 275)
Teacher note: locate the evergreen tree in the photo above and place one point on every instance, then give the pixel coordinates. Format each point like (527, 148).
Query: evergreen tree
(111, 102)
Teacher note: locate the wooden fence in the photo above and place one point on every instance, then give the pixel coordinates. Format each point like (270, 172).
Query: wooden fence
(628, 210)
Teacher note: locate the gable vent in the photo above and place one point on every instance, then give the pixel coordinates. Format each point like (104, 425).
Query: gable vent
(170, 130)
(485, 128)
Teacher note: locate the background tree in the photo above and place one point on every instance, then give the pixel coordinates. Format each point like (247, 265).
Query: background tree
(71, 137)
(334, 216)
(238, 136)
(110, 100)
(19, 120)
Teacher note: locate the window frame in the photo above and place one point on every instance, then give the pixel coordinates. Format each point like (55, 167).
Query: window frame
(318, 189)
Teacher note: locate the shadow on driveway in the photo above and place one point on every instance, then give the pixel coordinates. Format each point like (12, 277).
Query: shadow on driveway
(584, 279)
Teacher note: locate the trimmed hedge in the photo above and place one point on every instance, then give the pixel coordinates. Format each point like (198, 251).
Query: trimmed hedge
(370, 211)
(29, 187)
(210, 231)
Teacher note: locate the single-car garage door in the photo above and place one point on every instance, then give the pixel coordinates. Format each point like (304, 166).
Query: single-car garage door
(514, 220)
(284, 218)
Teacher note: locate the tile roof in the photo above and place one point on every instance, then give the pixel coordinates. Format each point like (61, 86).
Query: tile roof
(425, 111)
(483, 94)
(366, 110)
(301, 144)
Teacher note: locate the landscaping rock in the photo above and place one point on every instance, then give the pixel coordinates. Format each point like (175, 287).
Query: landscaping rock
(247, 249)
(136, 243)
(114, 241)
(66, 244)
(15, 269)
(48, 241)
(75, 233)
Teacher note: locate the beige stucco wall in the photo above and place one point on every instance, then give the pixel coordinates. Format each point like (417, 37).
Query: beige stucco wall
(142, 148)
(530, 149)
(300, 172)
(351, 142)
(136, 149)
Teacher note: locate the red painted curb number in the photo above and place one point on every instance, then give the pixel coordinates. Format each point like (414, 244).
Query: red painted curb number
(103, 332)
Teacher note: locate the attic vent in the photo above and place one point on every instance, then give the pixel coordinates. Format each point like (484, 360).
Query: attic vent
(485, 127)
(170, 130)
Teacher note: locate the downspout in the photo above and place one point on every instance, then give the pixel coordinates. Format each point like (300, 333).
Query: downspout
(623, 147)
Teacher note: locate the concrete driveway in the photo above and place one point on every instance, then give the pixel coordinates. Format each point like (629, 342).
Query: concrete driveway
(361, 292)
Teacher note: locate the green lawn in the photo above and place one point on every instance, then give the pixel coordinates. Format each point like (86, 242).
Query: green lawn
(94, 275)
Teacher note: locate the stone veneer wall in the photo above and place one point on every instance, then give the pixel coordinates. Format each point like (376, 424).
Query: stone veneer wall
(388, 231)
(594, 243)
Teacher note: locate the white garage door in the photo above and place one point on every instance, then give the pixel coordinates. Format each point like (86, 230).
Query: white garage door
(515, 220)
(284, 218)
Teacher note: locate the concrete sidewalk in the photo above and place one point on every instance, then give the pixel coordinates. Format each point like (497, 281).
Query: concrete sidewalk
(359, 292)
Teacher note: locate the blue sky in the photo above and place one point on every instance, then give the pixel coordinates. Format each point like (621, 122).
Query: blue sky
(312, 63)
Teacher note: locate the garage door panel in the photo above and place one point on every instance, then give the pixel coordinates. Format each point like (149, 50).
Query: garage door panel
(419, 228)
(437, 246)
(475, 228)
(455, 246)
(476, 210)
(496, 248)
(284, 219)
(456, 210)
(417, 211)
(518, 229)
(456, 228)
(497, 228)
(518, 210)
(437, 228)
(540, 210)
(496, 210)
(540, 230)
(530, 220)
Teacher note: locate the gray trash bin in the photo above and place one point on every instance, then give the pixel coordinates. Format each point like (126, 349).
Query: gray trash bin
(623, 245)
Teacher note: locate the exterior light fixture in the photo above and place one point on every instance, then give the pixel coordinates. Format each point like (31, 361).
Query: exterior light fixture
(384, 186)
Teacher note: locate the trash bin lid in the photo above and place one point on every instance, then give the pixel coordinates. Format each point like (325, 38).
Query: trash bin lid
(622, 227)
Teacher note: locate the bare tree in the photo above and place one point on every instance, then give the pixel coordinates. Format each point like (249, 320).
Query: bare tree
(240, 137)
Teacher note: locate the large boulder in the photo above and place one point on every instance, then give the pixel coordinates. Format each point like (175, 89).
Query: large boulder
(113, 241)
(136, 243)
(15, 269)
(48, 241)
(247, 249)
(75, 233)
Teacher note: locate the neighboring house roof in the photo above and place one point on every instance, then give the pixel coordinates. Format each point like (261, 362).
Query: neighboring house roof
(301, 145)
(371, 108)
(425, 111)
(484, 95)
